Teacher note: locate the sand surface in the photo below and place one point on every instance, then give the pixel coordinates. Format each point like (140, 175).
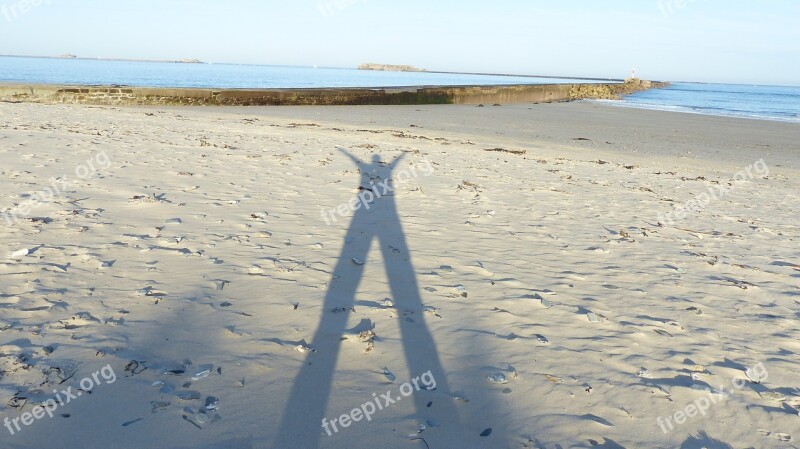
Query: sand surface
(198, 254)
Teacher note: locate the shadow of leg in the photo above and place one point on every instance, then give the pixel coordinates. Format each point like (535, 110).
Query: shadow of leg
(418, 343)
(301, 426)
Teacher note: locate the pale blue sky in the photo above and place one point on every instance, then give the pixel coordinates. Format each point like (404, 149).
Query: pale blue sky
(744, 41)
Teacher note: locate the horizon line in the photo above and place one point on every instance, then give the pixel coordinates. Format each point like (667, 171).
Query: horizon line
(190, 61)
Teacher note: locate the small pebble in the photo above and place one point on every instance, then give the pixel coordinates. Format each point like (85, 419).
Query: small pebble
(188, 395)
(773, 396)
(212, 403)
(542, 339)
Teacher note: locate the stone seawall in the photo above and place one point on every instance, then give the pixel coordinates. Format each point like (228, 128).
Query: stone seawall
(123, 95)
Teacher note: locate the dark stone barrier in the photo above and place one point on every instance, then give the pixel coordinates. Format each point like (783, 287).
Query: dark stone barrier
(126, 95)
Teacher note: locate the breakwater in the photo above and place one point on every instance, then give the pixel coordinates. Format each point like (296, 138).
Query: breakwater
(126, 95)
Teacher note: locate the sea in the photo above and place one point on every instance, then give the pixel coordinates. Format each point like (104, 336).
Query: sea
(781, 103)
(233, 76)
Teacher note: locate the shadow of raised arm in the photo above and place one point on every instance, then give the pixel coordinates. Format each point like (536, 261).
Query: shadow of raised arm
(396, 161)
(355, 160)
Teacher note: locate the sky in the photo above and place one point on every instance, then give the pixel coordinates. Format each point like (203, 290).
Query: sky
(730, 41)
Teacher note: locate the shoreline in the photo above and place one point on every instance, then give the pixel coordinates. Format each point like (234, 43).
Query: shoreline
(418, 95)
(688, 110)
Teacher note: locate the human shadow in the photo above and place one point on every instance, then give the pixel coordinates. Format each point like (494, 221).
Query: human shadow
(379, 220)
(704, 441)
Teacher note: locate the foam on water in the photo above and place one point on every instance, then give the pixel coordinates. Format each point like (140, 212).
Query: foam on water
(779, 103)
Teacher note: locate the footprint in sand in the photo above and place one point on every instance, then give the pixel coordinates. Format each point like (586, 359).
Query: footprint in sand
(220, 284)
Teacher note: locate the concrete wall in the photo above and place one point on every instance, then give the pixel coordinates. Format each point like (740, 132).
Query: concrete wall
(120, 95)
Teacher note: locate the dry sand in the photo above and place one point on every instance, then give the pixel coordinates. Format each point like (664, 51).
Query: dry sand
(192, 243)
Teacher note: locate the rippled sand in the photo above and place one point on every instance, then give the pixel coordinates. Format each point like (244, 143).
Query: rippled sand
(193, 251)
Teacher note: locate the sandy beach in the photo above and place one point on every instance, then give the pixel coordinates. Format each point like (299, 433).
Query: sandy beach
(544, 276)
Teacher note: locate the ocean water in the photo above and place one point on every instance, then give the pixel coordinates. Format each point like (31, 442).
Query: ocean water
(759, 102)
(231, 76)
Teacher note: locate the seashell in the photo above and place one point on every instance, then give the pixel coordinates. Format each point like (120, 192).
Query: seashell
(19, 253)
(212, 403)
(203, 372)
(554, 379)
(498, 378)
(756, 379)
(304, 349)
(461, 397)
(773, 396)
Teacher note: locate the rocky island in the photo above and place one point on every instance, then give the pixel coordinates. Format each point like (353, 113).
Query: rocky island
(390, 68)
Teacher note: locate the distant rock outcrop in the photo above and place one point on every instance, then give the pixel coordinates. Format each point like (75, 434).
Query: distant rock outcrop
(390, 68)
